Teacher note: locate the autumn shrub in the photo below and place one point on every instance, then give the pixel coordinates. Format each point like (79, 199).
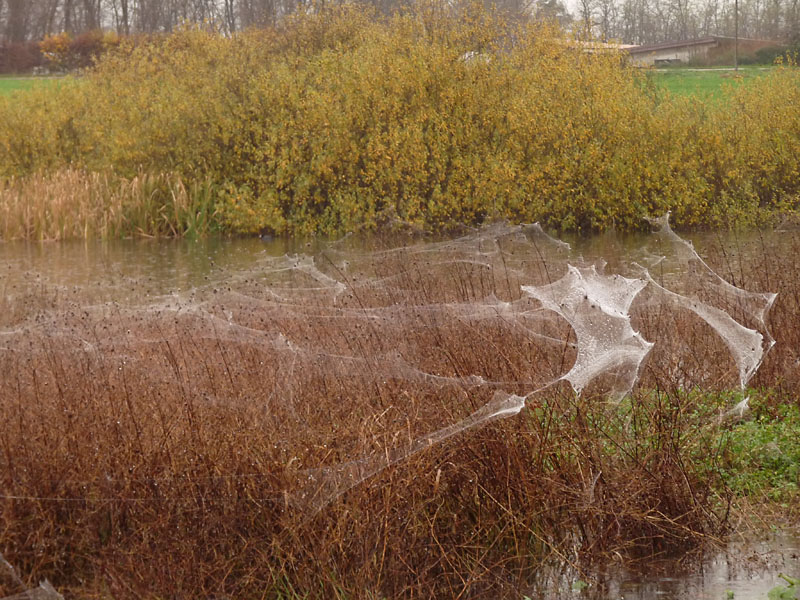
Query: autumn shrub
(55, 49)
(343, 120)
(19, 57)
(65, 52)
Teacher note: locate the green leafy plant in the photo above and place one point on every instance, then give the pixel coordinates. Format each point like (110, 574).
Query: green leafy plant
(786, 592)
(763, 455)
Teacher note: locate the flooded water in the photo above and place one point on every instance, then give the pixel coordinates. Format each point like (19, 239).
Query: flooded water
(137, 269)
(744, 570)
(131, 269)
(251, 274)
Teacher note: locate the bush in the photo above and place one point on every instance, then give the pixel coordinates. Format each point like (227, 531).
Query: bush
(66, 53)
(19, 57)
(768, 56)
(338, 121)
(55, 49)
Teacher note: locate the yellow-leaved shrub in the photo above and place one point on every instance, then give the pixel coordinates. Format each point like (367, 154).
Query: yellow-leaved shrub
(342, 120)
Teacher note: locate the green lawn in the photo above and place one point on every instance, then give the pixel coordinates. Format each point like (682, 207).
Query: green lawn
(9, 84)
(707, 83)
(710, 82)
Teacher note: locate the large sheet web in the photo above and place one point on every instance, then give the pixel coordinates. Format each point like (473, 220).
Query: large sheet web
(596, 307)
(738, 316)
(460, 332)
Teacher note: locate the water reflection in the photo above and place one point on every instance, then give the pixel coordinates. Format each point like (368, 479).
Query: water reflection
(127, 269)
(130, 270)
(746, 569)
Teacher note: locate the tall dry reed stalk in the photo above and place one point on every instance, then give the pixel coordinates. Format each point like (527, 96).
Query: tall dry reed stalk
(76, 204)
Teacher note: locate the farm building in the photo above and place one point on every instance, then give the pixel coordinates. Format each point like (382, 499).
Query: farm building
(704, 51)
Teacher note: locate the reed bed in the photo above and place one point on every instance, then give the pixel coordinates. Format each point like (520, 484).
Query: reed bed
(76, 204)
(160, 449)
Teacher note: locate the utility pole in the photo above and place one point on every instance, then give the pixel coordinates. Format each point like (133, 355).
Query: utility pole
(736, 36)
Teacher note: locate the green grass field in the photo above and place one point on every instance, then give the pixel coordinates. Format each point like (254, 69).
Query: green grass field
(10, 84)
(705, 83)
(710, 82)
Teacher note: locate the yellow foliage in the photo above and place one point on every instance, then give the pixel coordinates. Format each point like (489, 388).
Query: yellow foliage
(335, 120)
(55, 48)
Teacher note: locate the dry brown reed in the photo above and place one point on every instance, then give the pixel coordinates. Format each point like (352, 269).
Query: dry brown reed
(76, 204)
(154, 453)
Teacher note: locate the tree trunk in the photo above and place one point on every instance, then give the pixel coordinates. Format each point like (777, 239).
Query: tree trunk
(16, 24)
(125, 23)
(230, 16)
(91, 11)
(68, 21)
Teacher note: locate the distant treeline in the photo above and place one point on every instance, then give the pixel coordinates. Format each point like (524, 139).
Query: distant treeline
(629, 21)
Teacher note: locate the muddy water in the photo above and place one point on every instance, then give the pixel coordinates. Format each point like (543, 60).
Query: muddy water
(128, 269)
(137, 269)
(744, 570)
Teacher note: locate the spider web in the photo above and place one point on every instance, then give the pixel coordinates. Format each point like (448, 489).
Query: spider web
(410, 345)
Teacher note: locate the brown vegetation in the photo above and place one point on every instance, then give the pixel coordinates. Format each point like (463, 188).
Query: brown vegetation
(159, 449)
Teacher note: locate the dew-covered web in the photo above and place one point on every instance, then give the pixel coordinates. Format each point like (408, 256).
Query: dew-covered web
(353, 356)
(597, 308)
(738, 316)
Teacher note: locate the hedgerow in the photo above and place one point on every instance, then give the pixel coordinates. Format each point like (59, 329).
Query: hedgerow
(342, 120)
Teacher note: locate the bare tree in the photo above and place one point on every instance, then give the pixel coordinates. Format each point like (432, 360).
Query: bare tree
(772, 22)
(551, 10)
(793, 22)
(229, 15)
(631, 21)
(586, 9)
(147, 15)
(257, 13)
(607, 15)
(677, 22)
(91, 14)
(17, 20)
(122, 18)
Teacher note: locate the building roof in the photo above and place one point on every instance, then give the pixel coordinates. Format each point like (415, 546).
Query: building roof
(710, 40)
(668, 45)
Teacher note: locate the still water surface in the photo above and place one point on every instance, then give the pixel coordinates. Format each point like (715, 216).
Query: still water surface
(746, 569)
(137, 268)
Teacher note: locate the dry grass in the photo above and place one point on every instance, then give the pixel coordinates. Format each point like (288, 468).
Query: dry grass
(75, 204)
(149, 452)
